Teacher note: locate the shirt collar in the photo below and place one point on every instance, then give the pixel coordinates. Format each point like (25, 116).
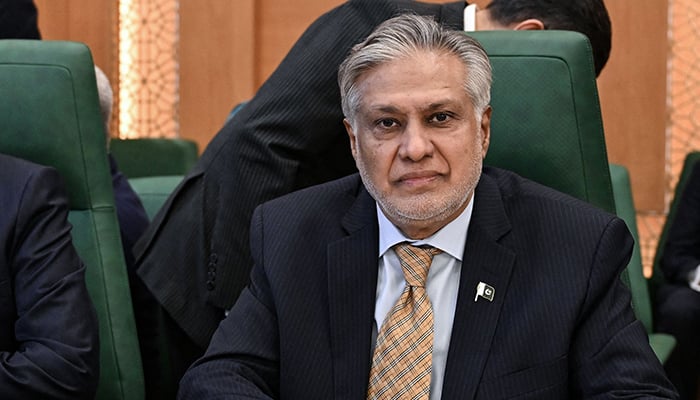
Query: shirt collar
(450, 239)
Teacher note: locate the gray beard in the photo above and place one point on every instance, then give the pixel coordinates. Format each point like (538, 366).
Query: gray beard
(426, 206)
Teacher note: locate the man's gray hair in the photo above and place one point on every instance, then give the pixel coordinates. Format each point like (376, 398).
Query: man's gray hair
(400, 38)
(105, 95)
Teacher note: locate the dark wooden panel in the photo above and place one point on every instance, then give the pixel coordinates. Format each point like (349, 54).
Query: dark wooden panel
(93, 22)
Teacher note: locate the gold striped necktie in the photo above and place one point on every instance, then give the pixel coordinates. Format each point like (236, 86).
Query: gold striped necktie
(402, 360)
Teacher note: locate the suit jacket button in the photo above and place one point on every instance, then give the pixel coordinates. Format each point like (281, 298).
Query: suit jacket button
(210, 285)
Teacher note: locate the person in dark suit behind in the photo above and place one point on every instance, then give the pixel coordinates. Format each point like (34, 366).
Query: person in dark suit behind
(18, 20)
(678, 300)
(522, 299)
(195, 255)
(49, 347)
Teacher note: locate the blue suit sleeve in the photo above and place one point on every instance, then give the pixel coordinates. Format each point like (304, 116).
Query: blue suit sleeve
(56, 352)
(606, 356)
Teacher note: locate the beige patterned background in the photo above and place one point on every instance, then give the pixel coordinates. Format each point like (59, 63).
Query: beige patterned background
(683, 115)
(148, 68)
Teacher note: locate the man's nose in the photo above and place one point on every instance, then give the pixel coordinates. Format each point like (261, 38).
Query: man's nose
(415, 142)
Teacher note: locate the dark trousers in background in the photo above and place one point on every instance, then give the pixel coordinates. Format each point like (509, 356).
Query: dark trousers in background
(678, 313)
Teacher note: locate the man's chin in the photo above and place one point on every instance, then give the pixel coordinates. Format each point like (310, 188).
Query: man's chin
(417, 212)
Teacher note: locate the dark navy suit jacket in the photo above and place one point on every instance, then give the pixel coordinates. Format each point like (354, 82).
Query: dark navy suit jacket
(48, 327)
(560, 325)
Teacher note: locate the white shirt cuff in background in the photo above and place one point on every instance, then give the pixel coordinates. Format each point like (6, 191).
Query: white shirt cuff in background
(695, 279)
(470, 18)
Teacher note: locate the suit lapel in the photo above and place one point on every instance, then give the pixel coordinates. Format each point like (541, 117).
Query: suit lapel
(352, 281)
(487, 261)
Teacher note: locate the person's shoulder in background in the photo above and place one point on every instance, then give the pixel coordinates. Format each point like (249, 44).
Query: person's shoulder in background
(18, 20)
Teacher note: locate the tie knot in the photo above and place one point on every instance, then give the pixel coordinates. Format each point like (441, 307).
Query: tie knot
(415, 262)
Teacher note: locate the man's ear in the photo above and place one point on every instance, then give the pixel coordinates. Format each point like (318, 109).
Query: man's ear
(351, 135)
(532, 24)
(485, 131)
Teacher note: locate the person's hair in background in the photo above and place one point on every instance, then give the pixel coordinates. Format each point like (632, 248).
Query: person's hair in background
(589, 17)
(19, 20)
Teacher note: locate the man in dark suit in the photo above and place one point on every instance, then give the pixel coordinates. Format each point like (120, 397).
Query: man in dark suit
(48, 327)
(678, 299)
(195, 256)
(523, 290)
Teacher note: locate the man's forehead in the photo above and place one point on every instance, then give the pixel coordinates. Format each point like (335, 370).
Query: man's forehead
(429, 105)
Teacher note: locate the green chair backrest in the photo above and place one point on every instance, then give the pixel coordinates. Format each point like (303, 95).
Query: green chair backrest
(49, 114)
(624, 204)
(154, 156)
(546, 123)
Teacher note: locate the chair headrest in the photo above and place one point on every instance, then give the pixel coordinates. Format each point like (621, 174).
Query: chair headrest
(49, 114)
(546, 122)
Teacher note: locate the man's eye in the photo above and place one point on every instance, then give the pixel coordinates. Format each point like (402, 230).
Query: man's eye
(440, 117)
(387, 123)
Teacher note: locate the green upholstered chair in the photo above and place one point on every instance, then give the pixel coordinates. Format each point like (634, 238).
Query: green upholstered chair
(154, 190)
(546, 123)
(154, 156)
(661, 343)
(49, 114)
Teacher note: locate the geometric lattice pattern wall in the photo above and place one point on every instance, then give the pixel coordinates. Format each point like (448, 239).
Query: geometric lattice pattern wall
(148, 68)
(683, 109)
(684, 84)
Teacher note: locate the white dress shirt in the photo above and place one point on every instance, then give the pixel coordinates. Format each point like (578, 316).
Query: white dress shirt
(442, 284)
